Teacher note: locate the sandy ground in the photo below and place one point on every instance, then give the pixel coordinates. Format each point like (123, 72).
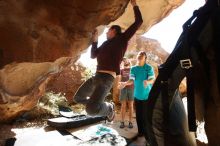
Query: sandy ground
(38, 133)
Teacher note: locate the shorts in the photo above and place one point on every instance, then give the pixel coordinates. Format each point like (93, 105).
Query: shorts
(127, 94)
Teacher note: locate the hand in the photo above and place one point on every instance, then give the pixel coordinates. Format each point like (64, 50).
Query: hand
(133, 2)
(121, 85)
(145, 83)
(95, 35)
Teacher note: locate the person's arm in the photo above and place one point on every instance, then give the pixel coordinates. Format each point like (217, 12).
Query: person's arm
(148, 81)
(94, 49)
(119, 78)
(138, 21)
(121, 85)
(151, 77)
(130, 81)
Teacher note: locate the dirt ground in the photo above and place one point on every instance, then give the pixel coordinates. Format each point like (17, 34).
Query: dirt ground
(26, 127)
(21, 131)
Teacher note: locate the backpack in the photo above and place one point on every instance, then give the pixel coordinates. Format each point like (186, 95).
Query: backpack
(167, 123)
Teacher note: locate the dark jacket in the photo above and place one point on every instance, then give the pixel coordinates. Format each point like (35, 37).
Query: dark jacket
(110, 54)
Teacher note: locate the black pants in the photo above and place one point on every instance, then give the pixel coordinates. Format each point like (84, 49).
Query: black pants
(140, 106)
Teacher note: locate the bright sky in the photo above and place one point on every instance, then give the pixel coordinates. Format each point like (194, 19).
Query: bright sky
(169, 29)
(166, 32)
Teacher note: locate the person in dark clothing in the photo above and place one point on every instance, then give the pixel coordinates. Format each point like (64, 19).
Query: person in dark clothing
(109, 56)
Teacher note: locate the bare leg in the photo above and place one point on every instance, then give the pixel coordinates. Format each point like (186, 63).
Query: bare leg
(123, 110)
(131, 109)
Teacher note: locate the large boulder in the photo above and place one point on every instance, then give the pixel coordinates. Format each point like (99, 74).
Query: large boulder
(39, 31)
(68, 81)
(34, 33)
(22, 84)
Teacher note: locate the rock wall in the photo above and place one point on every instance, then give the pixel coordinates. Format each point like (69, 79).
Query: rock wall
(67, 81)
(35, 33)
(39, 31)
(22, 84)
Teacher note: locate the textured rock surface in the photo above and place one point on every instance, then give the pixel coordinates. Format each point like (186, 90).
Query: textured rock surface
(42, 31)
(153, 11)
(68, 81)
(39, 31)
(153, 48)
(22, 84)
